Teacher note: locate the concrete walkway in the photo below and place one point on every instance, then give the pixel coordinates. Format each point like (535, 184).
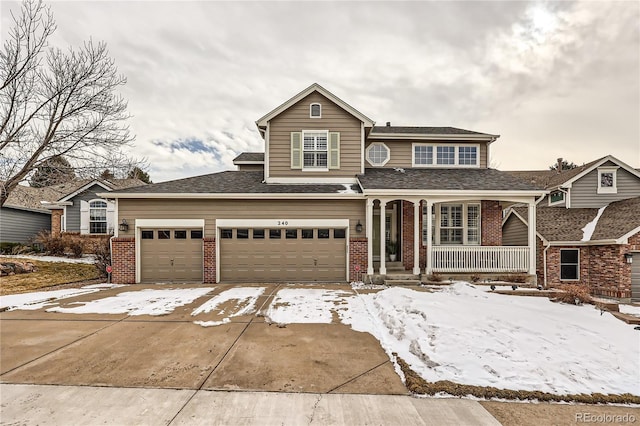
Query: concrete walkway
(85, 405)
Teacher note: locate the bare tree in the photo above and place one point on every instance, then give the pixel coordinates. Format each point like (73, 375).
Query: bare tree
(57, 103)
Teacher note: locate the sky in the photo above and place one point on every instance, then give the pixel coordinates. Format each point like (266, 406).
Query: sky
(554, 79)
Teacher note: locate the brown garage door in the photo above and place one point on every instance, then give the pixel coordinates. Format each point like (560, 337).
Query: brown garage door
(282, 255)
(635, 278)
(171, 255)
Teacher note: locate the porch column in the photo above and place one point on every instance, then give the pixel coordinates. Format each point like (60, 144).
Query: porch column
(417, 235)
(369, 224)
(429, 268)
(383, 224)
(532, 237)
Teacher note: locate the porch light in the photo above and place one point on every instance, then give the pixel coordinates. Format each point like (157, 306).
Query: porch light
(628, 257)
(358, 227)
(124, 226)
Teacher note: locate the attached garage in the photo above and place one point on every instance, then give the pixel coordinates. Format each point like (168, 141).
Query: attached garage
(635, 278)
(170, 251)
(281, 254)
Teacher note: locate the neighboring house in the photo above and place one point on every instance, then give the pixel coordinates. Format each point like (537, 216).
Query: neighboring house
(329, 197)
(588, 227)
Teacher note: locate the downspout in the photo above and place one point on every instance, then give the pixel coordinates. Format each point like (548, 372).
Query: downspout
(544, 263)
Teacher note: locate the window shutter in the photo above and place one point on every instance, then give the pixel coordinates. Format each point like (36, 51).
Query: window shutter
(111, 208)
(296, 150)
(334, 150)
(84, 217)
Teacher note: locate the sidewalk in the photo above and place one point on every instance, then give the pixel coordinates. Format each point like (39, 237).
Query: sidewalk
(80, 405)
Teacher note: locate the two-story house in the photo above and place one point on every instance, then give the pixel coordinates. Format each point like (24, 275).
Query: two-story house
(587, 227)
(333, 197)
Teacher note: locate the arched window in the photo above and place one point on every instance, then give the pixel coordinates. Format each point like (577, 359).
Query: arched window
(98, 217)
(315, 110)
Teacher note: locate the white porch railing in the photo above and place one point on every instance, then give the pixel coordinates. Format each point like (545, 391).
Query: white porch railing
(480, 259)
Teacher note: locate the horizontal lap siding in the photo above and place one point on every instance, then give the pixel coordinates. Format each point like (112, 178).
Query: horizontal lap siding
(584, 191)
(20, 226)
(73, 212)
(514, 232)
(296, 119)
(210, 210)
(401, 155)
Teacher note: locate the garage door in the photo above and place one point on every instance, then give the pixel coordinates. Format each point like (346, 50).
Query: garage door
(635, 278)
(281, 255)
(171, 255)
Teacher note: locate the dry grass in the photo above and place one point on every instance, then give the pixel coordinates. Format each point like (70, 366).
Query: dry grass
(48, 274)
(418, 385)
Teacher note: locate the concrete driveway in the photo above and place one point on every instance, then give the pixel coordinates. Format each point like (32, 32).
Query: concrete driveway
(171, 351)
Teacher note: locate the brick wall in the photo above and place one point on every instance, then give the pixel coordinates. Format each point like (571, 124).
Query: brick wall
(209, 246)
(357, 258)
(491, 223)
(610, 275)
(553, 266)
(123, 260)
(56, 216)
(407, 234)
(423, 247)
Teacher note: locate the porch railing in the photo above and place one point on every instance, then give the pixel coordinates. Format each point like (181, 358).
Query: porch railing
(480, 259)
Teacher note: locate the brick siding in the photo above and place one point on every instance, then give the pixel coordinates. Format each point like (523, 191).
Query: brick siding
(491, 223)
(209, 260)
(407, 235)
(357, 258)
(123, 260)
(56, 221)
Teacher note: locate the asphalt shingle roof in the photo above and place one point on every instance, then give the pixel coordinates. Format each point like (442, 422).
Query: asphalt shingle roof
(546, 179)
(249, 156)
(234, 182)
(424, 130)
(447, 179)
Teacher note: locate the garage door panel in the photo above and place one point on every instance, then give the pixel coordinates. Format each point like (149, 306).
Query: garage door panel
(175, 259)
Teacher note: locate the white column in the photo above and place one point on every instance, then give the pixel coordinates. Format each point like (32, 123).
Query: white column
(429, 269)
(369, 225)
(417, 235)
(532, 237)
(383, 223)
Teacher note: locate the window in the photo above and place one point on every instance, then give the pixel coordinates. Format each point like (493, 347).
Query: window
(226, 234)
(323, 233)
(258, 234)
(98, 217)
(378, 154)
(556, 197)
(473, 224)
(242, 234)
(570, 264)
(315, 111)
(180, 235)
(424, 223)
(164, 234)
(196, 234)
(607, 180)
(275, 234)
(451, 229)
(291, 234)
(307, 234)
(435, 155)
(453, 224)
(315, 150)
(147, 235)
(339, 233)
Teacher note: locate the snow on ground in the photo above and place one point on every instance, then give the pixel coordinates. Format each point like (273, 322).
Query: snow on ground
(630, 310)
(86, 259)
(246, 298)
(306, 305)
(139, 302)
(40, 299)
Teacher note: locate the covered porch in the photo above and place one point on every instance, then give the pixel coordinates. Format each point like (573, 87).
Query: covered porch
(435, 233)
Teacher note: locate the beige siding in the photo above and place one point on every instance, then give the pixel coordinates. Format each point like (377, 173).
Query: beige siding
(584, 191)
(210, 210)
(401, 155)
(514, 232)
(296, 119)
(251, 167)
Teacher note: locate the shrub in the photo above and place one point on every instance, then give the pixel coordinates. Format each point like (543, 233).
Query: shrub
(573, 294)
(475, 278)
(435, 277)
(9, 248)
(102, 252)
(52, 245)
(514, 278)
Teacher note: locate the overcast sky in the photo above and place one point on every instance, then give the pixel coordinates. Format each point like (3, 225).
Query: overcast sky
(554, 79)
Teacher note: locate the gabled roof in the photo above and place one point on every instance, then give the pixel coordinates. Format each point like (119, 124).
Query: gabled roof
(107, 184)
(315, 87)
(551, 179)
(442, 179)
(229, 183)
(249, 158)
(421, 132)
(618, 221)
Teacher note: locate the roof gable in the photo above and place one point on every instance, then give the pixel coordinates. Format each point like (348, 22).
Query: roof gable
(315, 87)
(595, 164)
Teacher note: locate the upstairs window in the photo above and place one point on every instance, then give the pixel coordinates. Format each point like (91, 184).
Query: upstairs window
(445, 155)
(315, 111)
(98, 217)
(378, 154)
(607, 180)
(315, 149)
(556, 197)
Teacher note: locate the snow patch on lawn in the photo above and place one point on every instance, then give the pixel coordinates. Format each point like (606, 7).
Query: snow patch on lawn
(306, 305)
(89, 259)
(630, 310)
(246, 301)
(140, 302)
(39, 299)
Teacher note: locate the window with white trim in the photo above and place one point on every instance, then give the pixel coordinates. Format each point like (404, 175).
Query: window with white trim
(315, 110)
(453, 224)
(438, 155)
(607, 180)
(378, 154)
(556, 197)
(315, 149)
(570, 264)
(98, 217)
